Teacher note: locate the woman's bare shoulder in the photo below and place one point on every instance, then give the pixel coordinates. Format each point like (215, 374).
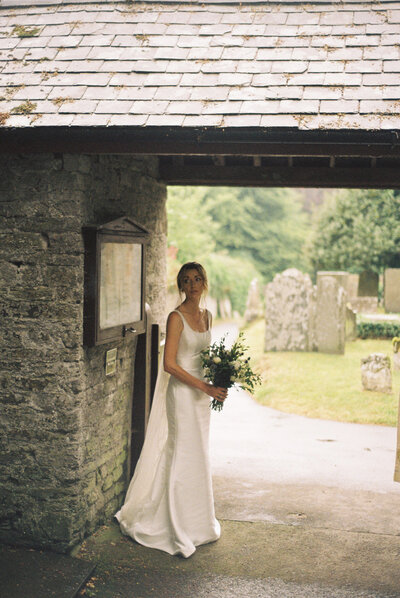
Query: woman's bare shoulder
(174, 318)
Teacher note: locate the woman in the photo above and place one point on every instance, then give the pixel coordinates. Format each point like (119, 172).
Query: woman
(169, 504)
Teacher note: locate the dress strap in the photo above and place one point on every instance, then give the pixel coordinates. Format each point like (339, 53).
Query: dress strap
(182, 317)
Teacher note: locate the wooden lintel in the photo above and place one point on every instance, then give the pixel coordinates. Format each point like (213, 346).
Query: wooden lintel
(162, 141)
(311, 176)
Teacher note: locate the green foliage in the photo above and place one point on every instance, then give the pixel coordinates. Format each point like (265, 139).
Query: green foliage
(230, 277)
(358, 230)
(193, 232)
(266, 226)
(377, 329)
(190, 226)
(321, 385)
(225, 366)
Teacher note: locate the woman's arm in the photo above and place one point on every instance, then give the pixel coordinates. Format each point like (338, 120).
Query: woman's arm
(174, 331)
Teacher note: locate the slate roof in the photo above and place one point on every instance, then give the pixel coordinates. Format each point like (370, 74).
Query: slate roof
(189, 64)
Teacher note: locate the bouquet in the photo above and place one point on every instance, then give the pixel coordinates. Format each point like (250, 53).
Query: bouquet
(224, 367)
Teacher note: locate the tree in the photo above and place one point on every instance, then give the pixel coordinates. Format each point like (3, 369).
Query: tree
(266, 226)
(358, 230)
(192, 235)
(190, 226)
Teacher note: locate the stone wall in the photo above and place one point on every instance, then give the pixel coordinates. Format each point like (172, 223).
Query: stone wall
(64, 425)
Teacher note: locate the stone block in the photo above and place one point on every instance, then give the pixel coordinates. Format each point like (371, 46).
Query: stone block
(392, 290)
(368, 284)
(364, 305)
(375, 373)
(288, 310)
(253, 304)
(352, 286)
(331, 314)
(351, 323)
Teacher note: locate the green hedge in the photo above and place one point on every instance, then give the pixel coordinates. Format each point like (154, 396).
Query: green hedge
(377, 329)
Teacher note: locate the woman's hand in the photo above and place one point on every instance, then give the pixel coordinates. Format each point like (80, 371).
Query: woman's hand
(217, 392)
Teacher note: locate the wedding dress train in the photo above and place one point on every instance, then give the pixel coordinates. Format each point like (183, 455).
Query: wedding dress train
(169, 504)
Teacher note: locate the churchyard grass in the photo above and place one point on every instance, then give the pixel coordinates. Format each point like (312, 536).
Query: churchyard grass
(322, 386)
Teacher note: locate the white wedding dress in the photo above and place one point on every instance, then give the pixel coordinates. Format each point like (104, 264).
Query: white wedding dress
(169, 504)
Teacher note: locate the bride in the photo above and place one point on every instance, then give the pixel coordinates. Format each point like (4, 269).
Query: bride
(169, 504)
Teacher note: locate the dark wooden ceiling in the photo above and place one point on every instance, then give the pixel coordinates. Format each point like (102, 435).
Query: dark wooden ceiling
(240, 156)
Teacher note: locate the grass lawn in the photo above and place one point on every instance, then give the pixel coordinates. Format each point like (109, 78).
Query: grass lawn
(322, 386)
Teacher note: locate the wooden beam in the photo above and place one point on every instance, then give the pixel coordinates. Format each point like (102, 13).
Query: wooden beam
(351, 177)
(185, 141)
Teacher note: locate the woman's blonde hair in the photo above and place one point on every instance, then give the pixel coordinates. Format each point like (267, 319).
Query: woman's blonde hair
(191, 266)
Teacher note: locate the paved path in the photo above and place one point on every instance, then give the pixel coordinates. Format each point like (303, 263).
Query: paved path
(308, 510)
(284, 468)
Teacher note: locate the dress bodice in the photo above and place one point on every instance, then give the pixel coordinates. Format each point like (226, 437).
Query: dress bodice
(191, 344)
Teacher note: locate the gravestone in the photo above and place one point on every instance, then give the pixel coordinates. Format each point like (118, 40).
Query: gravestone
(352, 286)
(288, 311)
(392, 290)
(253, 304)
(375, 373)
(368, 284)
(225, 308)
(331, 314)
(351, 323)
(365, 305)
(339, 275)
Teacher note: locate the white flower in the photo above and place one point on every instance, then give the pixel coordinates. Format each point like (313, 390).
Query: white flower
(217, 359)
(236, 364)
(233, 378)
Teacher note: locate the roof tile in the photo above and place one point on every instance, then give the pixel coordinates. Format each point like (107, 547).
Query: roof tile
(299, 106)
(113, 107)
(338, 106)
(138, 93)
(233, 79)
(264, 64)
(165, 120)
(175, 107)
(180, 66)
(208, 93)
(243, 120)
(380, 106)
(160, 79)
(148, 107)
(78, 107)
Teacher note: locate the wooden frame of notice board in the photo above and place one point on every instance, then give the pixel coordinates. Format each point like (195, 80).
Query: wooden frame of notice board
(115, 278)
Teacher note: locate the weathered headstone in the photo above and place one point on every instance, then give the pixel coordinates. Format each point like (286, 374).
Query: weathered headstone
(225, 308)
(339, 275)
(368, 284)
(253, 304)
(392, 290)
(375, 373)
(397, 462)
(288, 306)
(365, 305)
(331, 314)
(352, 286)
(351, 323)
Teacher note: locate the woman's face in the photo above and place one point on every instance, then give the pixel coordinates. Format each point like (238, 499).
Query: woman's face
(192, 284)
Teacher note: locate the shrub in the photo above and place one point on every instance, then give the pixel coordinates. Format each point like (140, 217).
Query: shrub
(377, 329)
